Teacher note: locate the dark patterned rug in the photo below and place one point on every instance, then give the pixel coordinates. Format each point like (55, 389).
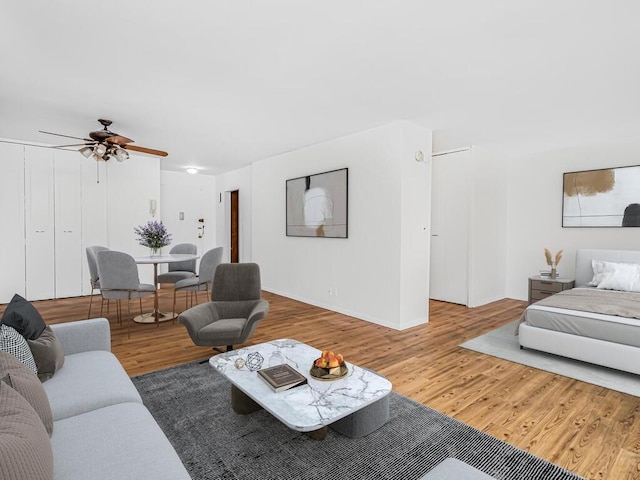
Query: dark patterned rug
(192, 405)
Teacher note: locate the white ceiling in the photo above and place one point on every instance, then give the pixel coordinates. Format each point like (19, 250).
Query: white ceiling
(221, 84)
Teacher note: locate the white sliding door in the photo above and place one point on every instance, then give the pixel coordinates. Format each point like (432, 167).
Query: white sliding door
(12, 279)
(450, 218)
(39, 218)
(68, 238)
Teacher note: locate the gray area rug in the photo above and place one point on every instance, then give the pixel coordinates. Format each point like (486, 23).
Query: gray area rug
(192, 405)
(502, 343)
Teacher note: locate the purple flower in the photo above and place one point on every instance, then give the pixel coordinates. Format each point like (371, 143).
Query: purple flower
(153, 235)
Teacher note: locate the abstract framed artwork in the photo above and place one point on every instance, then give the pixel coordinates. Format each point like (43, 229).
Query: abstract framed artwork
(608, 197)
(317, 205)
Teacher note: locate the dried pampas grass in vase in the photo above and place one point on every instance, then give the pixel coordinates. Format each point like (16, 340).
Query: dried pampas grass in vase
(553, 262)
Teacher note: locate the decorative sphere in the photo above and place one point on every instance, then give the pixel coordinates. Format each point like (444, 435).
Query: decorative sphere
(254, 361)
(239, 363)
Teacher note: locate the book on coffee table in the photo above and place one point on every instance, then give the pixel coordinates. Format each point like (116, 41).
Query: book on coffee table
(282, 377)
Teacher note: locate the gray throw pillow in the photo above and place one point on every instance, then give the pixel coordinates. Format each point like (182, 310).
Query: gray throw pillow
(15, 344)
(48, 354)
(25, 449)
(23, 381)
(24, 317)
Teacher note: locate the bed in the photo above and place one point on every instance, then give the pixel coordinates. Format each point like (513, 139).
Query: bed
(591, 324)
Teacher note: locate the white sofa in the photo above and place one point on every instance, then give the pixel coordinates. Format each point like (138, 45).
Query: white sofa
(102, 431)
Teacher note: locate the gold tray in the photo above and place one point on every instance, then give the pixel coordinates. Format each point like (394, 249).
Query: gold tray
(323, 373)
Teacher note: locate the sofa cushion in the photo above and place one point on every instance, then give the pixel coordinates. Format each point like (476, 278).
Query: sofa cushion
(120, 441)
(15, 344)
(174, 276)
(24, 317)
(23, 380)
(48, 354)
(25, 449)
(87, 381)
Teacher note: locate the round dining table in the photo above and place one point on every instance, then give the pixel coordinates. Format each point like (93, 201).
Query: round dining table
(157, 316)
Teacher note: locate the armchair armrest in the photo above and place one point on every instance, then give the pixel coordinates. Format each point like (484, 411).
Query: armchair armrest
(83, 335)
(258, 312)
(198, 317)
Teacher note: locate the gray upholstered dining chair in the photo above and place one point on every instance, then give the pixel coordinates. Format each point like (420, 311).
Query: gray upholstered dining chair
(208, 264)
(234, 311)
(119, 279)
(180, 270)
(94, 278)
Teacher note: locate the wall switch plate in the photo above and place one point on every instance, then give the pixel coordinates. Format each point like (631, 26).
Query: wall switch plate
(181, 216)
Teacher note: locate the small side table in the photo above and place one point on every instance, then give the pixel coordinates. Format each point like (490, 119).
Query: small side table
(543, 287)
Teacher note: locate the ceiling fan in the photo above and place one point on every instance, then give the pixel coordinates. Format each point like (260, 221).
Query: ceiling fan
(104, 144)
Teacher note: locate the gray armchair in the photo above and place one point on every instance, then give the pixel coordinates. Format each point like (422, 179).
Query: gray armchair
(234, 311)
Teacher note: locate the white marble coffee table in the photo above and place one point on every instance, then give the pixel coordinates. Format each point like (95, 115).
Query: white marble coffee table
(307, 408)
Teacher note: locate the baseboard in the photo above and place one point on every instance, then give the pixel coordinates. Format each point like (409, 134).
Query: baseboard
(343, 311)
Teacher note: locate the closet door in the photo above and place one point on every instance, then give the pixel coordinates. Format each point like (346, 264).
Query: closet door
(94, 212)
(68, 238)
(450, 216)
(39, 223)
(12, 279)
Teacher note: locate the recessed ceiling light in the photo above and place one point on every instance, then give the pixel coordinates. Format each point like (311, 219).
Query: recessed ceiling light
(192, 171)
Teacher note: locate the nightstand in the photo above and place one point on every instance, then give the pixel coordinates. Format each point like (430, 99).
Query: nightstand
(543, 287)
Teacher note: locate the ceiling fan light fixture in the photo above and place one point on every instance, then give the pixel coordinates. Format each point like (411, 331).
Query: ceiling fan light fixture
(100, 150)
(86, 151)
(121, 154)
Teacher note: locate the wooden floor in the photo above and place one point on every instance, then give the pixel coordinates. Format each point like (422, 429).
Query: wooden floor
(587, 429)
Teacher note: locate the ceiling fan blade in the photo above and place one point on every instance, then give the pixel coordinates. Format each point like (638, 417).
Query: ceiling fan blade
(67, 136)
(119, 140)
(150, 151)
(73, 145)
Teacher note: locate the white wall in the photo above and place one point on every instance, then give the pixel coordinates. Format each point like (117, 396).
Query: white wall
(415, 226)
(239, 180)
(130, 187)
(488, 227)
(195, 196)
(380, 273)
(535, 210)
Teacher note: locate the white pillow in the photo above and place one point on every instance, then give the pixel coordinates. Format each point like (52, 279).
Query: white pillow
(620, 276)
(598, 272)
(15, 344)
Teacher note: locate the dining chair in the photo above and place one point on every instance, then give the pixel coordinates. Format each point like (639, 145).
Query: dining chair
(119, 279)
(208, 264)
(180, 270)
(94, 278)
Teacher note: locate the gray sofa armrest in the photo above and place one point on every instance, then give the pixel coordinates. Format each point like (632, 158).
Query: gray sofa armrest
(83, 335)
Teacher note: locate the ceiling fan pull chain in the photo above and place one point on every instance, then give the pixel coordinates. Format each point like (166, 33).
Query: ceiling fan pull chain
(97, 172)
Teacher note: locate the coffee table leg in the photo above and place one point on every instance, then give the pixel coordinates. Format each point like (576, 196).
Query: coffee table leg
(241, 402)
(319, 434)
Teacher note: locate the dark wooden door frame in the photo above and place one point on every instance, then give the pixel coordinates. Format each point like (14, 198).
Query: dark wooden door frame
(235, 230)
